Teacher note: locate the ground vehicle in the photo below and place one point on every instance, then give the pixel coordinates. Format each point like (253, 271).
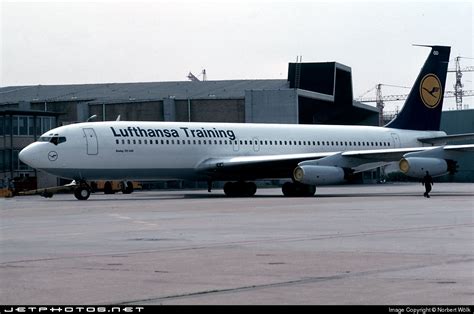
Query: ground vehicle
(111, 187)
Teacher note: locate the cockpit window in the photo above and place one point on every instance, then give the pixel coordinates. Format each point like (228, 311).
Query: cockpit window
(55, 139)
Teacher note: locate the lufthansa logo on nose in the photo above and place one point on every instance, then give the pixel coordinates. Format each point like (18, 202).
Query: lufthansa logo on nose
(431, 91)
(52, 156)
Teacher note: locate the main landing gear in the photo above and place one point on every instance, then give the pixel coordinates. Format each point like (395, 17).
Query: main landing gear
(289, 189)
(240, 189)
(296, 189)
(82, 191)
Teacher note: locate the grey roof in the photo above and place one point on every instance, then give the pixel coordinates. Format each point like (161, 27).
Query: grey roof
(125, 92)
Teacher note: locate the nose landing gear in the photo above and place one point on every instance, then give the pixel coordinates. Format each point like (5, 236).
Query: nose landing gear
(83, 191)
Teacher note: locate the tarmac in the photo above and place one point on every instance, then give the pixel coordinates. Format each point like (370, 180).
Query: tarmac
(362, 244)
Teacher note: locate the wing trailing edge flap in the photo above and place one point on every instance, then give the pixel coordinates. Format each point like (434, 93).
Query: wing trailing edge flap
(448, 138)
(443, 152)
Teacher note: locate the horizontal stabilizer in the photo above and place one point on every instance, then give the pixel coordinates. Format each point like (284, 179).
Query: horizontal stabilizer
(447, 138)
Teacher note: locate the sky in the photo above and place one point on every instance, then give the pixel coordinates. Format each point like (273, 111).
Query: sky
(80, 42)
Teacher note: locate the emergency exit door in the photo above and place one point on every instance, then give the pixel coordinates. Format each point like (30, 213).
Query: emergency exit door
(91, 141)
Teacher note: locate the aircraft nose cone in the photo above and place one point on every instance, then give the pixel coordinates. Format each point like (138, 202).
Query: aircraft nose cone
(27, 156)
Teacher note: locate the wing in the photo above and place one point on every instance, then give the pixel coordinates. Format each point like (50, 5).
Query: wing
(282, 166)
(254, 167)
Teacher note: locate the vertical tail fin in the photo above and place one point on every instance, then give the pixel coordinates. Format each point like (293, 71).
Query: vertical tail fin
(422, 109)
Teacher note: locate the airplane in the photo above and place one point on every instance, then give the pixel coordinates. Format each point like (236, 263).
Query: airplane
(241, 153)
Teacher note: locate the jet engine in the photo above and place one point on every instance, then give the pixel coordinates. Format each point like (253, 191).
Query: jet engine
(318, 175)
(417, 166)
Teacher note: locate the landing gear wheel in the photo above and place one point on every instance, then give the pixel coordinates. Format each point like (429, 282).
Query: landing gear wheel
(47, 194)
(240, 189)
(295, 189)
(82, 193)
(108, 188)
(127, 187)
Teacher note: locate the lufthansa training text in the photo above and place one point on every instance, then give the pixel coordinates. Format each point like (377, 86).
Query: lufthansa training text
(181, 132)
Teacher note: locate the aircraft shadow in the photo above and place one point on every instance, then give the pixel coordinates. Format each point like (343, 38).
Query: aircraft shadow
(204, 196)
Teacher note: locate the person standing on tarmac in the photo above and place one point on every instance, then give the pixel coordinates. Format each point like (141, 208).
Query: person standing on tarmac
(427, 181)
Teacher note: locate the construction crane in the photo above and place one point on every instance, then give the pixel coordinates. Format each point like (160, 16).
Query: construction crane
(458, 92)
(379, 98)
(194, 78)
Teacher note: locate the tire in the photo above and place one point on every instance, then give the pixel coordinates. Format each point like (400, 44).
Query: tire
(128, 189)
(240, 189)
(108, 188)
(294, 189)
(82, 193)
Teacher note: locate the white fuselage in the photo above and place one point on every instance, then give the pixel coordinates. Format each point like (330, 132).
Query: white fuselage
(127, 150)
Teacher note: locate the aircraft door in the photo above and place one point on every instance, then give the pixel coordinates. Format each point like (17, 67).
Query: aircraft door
(256, 144)
(235, 144)
(396, 140)
(91, 141)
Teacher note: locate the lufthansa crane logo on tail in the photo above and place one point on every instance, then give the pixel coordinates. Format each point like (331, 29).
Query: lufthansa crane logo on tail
(431, 91)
